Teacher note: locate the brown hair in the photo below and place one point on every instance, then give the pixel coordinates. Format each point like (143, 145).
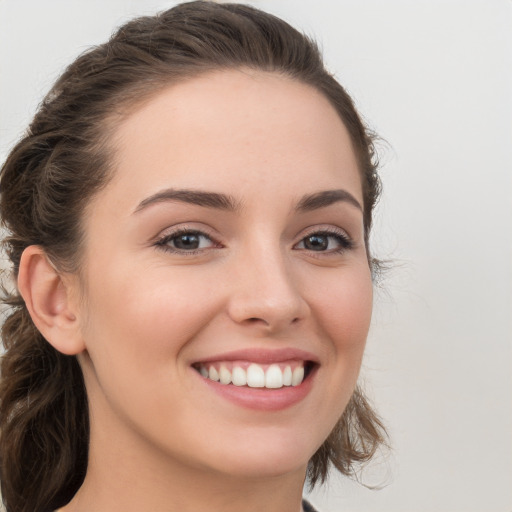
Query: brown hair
(63, 160)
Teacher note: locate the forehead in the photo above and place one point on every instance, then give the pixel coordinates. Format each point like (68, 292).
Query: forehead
(234, 129)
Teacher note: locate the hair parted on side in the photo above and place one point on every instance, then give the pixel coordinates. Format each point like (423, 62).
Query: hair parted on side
(55, 169)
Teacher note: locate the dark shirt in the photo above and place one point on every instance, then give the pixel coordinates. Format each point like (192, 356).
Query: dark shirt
(307, 506)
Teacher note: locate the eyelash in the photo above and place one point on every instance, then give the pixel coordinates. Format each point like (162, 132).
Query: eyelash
(344, 241)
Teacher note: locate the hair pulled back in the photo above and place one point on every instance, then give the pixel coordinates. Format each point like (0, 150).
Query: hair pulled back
(64, 159)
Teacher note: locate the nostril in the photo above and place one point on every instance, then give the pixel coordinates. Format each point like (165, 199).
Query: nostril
(256, 320)
(270, 323)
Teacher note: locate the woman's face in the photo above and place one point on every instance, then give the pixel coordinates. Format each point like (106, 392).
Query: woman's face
(229, 245)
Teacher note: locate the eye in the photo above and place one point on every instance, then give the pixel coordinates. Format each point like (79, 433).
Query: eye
(325, 241)
(186, 241)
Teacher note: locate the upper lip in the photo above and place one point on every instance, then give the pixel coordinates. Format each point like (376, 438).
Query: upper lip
(262, 356)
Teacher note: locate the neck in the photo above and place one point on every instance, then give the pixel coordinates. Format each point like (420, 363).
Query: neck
(131, 475)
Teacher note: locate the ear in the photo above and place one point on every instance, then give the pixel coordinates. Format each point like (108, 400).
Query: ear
(50, 300)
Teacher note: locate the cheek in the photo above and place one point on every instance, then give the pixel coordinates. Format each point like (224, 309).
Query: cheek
(138, 331)
(343, 309)
(148, 316)
(345, 306)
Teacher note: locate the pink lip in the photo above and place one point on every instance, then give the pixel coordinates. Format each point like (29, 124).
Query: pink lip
(262, 399)
(262, 356)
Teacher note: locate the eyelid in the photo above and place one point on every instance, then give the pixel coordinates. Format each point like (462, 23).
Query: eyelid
(184, 227)
(328, 229)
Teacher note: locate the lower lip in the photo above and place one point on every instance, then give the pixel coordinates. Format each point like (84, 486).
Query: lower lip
(262, 399)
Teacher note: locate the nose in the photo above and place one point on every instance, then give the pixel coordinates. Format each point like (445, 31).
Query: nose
(266, 293)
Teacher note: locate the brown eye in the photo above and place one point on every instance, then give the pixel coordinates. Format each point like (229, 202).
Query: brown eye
(189, 241)
(325, 242)
(186, 241)
(316, 243)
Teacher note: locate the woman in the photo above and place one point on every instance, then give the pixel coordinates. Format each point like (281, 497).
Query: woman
(188, 223)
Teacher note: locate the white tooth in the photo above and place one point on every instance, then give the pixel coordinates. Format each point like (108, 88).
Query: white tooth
(287, 376)
(214, 374)
(224, 375)
(274, 377)
(203, 371)
(298, 375)
(239, 376)
(255, 376)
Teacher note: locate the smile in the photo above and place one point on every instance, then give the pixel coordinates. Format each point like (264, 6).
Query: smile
(255, 375)
(260, 379)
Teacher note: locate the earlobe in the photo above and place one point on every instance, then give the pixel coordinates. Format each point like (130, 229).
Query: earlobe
(50, 301)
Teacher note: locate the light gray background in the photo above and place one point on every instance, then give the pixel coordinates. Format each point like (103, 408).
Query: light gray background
(434, 78)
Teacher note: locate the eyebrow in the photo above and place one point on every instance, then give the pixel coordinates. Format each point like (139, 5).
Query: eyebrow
(196, 197)
(326, 198)
(225, 202)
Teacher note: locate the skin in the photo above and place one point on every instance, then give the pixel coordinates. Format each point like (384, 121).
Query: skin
(140, 315)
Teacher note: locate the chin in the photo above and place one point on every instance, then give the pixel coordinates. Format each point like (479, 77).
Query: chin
(254, 454)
